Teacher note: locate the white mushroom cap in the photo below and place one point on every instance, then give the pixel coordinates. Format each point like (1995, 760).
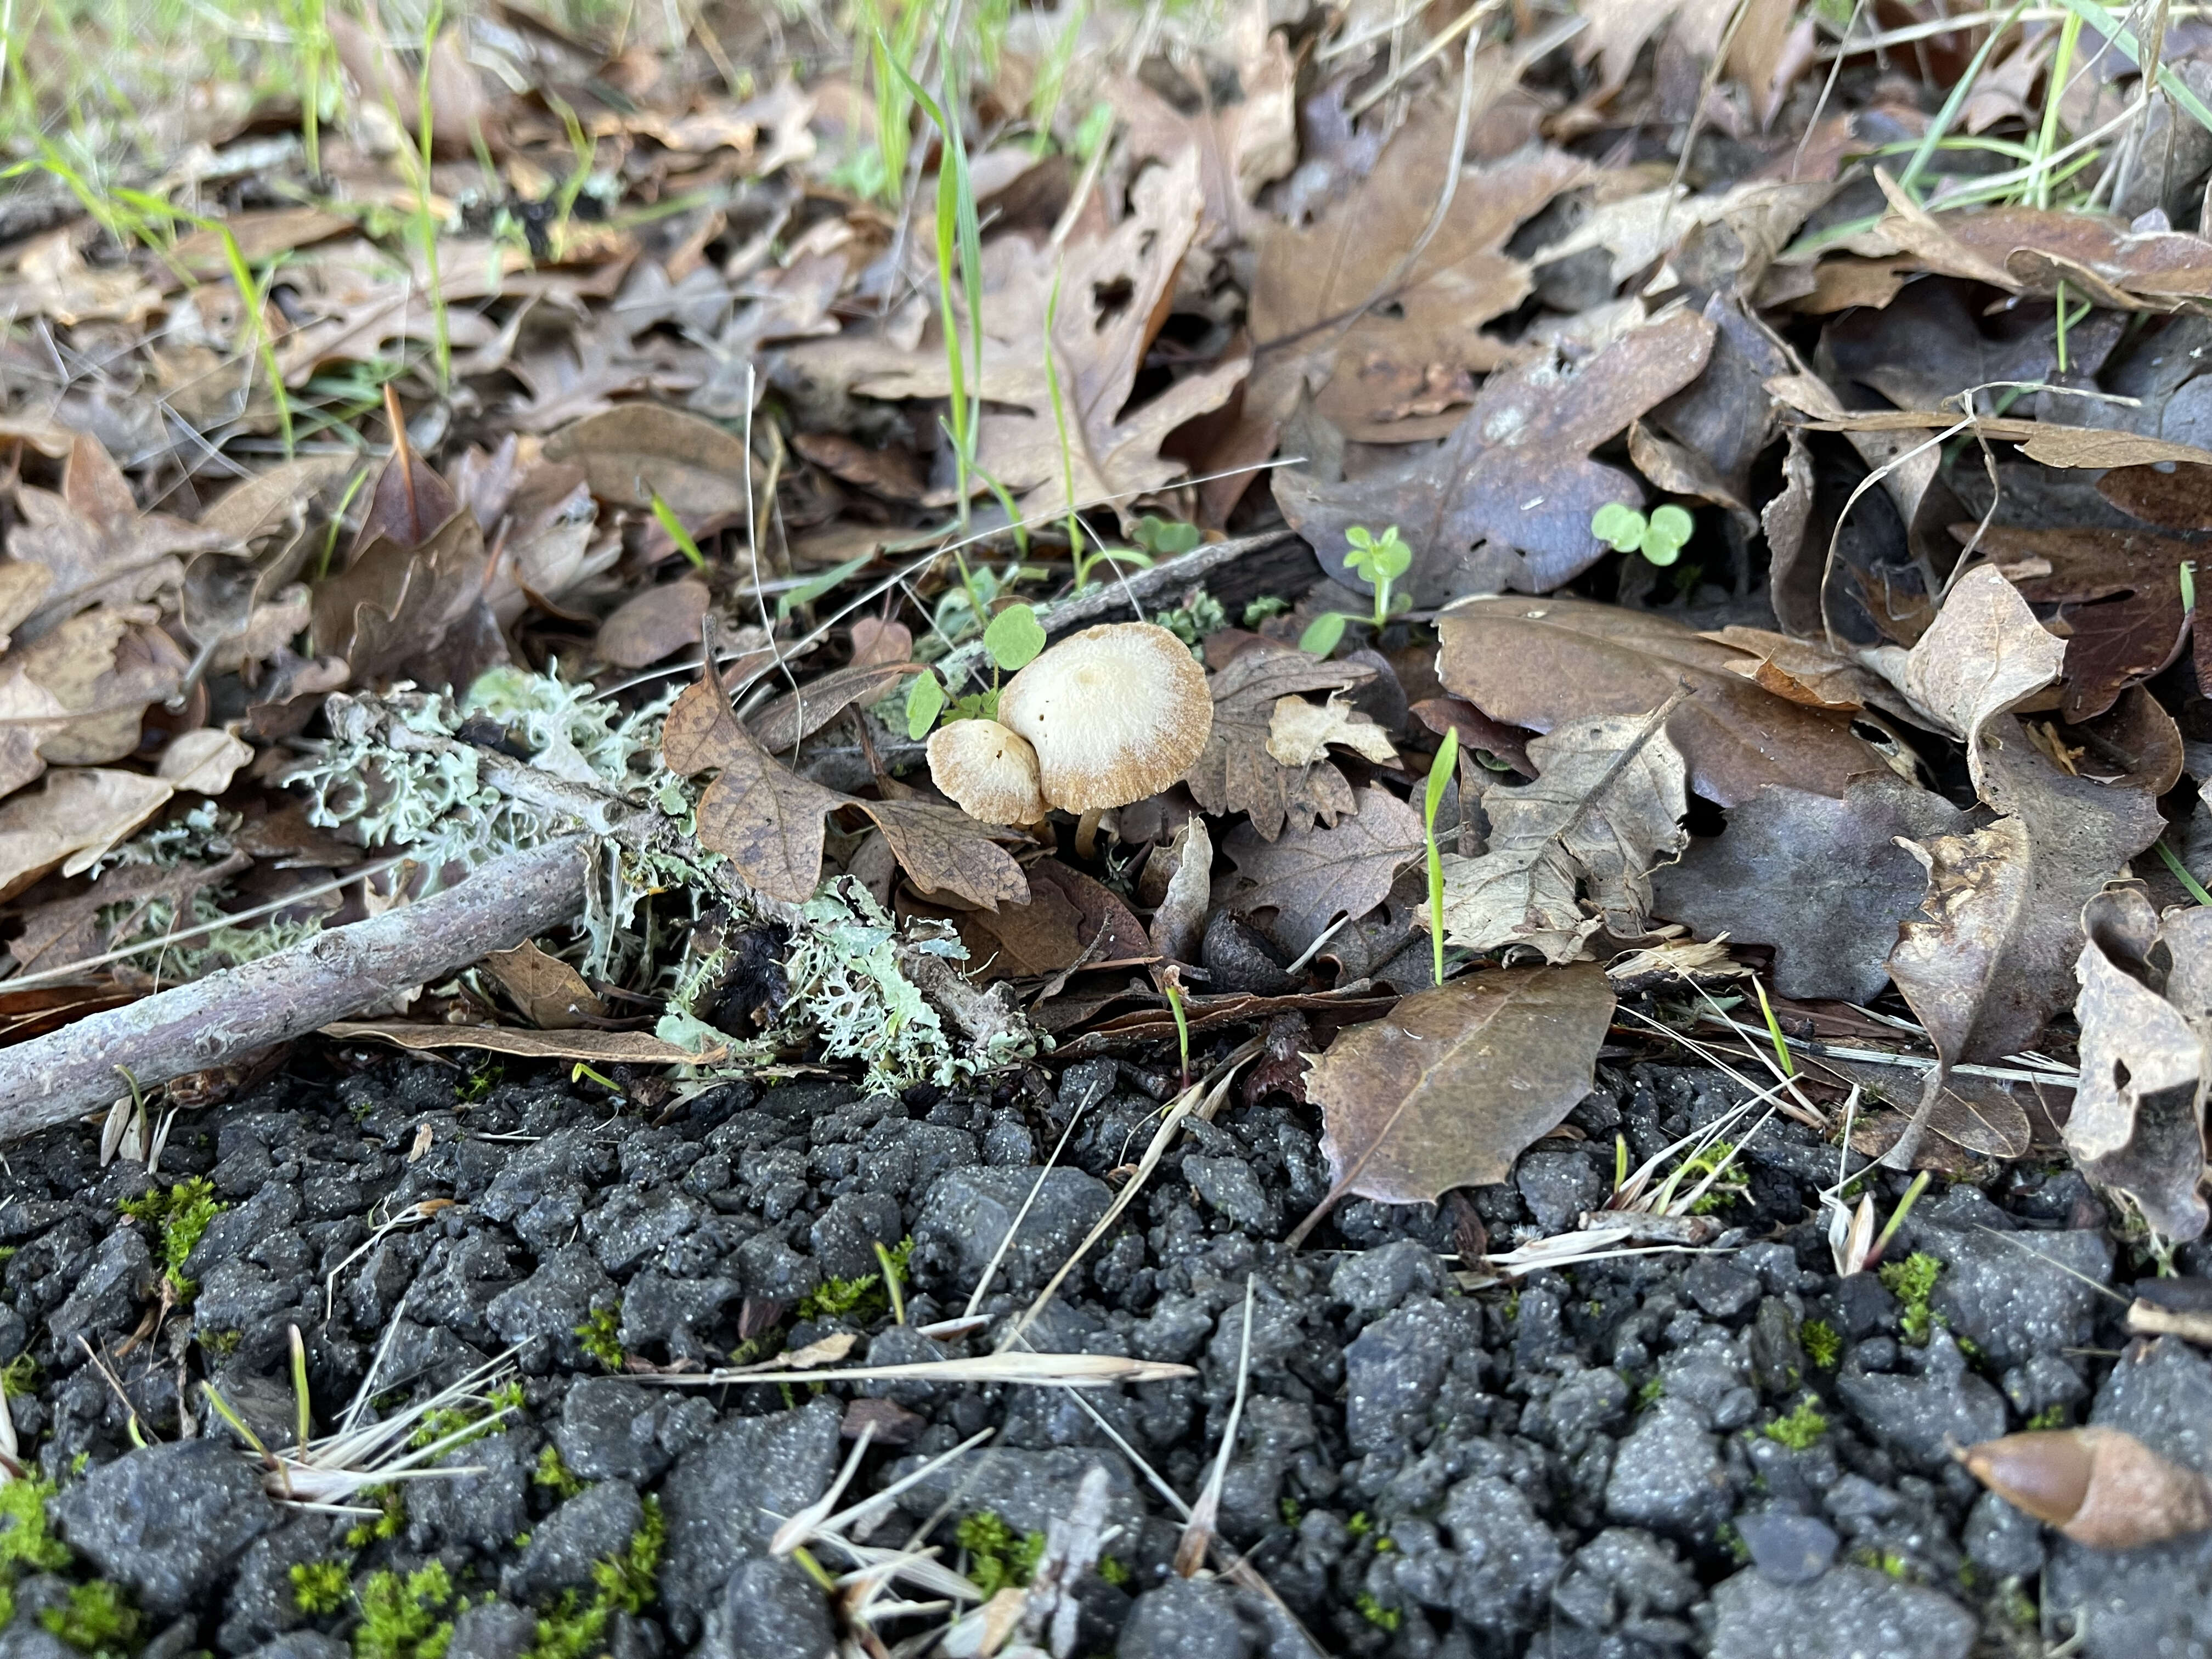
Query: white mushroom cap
(1116, 713)
(988, 771)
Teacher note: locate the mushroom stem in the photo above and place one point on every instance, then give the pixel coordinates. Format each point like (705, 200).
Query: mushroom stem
(1086, 833)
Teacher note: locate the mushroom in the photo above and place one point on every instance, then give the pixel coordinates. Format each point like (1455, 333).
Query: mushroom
(988, 772)
(1115, 713)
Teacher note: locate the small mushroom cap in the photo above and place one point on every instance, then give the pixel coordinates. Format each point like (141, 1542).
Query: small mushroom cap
(990, 773)
(1116, 713)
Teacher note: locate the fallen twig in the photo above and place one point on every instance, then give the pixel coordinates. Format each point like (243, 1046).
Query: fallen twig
(81, 1067)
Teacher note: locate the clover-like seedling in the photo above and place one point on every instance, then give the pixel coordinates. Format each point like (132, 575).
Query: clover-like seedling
(1380, 560)
(1164, 537)
(1659, 538)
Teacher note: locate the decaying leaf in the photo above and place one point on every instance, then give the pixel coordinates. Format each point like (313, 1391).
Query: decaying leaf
(655, 623)
(1447, 1089)
(1603, 812)
(1299, 732)
(1504, 505)
(70, 821)
(1241, 144)
(2099, 1486)
(1820, 879)
(768, 821)
(799, 714)
(605, 1048)
(1179, 920)
(1236, 773)
(634, 453)
(551, 994)
(1388, 327)
(204, 761)
(1538, 663)
(1991, 956)
(1310, 876)
(390, 613)
(2138, 1120)
(93, 543)
(2119, 596)
(1984, 654)
(114, 907)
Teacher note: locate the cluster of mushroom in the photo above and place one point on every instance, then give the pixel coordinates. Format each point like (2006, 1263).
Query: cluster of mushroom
(1108, 716)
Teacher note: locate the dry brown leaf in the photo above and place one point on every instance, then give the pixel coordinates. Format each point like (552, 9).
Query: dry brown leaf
(1992, 956)
(2138, 1120)
(2101, 1486)
(551, 994)
(2033, 250)
(655, 623)
(1821, 880)
(93, 542)
(1178, 926)
(632, 453)
(254, 506)
(1808, 672)
(70, 821)
(1240, 144)
(2040, 441)
(392, 611)
(1310, 877)
(1538, 663)
(1447, 1089)
(113, 908)
(1299, 732)
(204, 760)
(1604, 812)
(1504, 505)
(2120, 594)
(604, 1047)
(1395, 355)
(768, 822)
(104, 665)
(1984, 655)
(798, 715)
(1234, 772)
(876, 642)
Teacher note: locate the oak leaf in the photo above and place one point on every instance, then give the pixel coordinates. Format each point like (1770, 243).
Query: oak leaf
(1236, 773)
(1603, 812)
(768, 822)
(1820, 879)
(1309, 876)
(77, 816)
(1504, 504)
(2138, 1118)
(93, 543)
(631, 454)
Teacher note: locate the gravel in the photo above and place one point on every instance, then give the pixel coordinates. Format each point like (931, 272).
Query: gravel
(1638, 1458)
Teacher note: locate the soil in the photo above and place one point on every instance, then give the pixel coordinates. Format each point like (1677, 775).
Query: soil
(1731, 1453)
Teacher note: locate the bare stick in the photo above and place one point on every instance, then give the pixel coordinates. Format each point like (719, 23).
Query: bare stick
(81, 1067)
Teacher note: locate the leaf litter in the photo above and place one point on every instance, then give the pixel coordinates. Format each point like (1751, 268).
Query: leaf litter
(665, 469)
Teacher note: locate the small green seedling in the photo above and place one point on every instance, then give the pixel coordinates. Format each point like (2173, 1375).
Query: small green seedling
(1440, 773)
(1165, 538)
(677, 532)
(1659, 538)
(1014, 637)
(1378, 560)
(925, 702)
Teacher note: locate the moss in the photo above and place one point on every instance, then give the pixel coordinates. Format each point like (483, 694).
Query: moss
(1113, 1570)
(391, 1516)
(1731, 1539)
(1802, 1427)
(998, 1555)
(436, 1425)
(223, 1343)
(319, 1587)
(399, 1617)
(2051, 1417)
(1376, 1614)
(574, 1628)
(552, 1472)
(180, 1216)
(597, 1335)
(864, 1298)
(1911, 1281)
(1359, 1526)
(97, 1619)
(1823, 1346)
(1653, 1391)
(24, 1541)
(19, 1376)
(1287, 1507)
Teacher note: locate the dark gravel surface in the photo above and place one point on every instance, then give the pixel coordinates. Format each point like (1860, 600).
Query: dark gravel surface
(1579, 1465)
